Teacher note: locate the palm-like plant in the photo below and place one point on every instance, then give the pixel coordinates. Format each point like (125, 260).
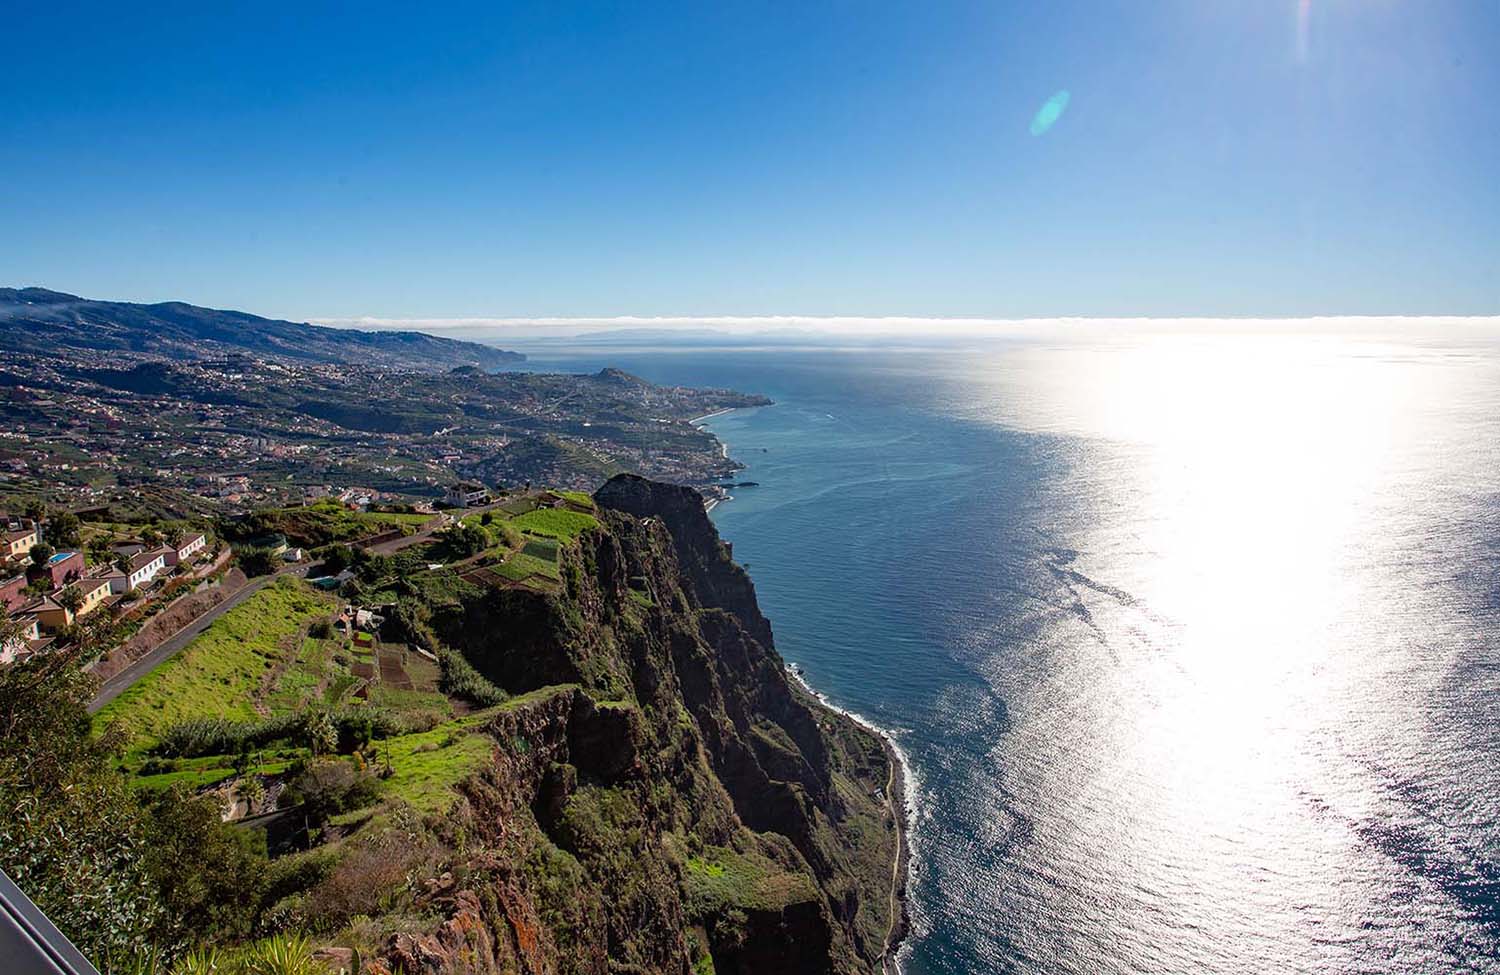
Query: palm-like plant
(69, 598)
(283, 955)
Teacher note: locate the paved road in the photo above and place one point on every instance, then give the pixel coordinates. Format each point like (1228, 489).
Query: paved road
(169, 647)
(406, 541)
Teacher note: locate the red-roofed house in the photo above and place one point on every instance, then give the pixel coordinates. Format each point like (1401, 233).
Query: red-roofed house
(17, 542)
(54, 616)
(20, 643)
(143, 568)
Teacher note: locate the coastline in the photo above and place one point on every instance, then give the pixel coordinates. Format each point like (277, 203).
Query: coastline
(713, 501)
(900, 803)
(709, 416)
(900, 789)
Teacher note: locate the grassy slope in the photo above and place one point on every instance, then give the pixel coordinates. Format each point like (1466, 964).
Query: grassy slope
(557, 523)
(218, 674)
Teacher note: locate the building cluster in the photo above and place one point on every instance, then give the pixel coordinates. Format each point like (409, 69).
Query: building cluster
(225, 434)
(45, 592)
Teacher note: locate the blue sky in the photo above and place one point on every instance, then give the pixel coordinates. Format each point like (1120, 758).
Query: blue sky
(1215, 157)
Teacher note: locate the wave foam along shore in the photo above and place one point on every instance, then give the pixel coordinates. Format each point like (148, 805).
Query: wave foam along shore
(901, 792)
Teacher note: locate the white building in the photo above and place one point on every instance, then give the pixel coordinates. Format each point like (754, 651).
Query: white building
(467, 495)
(189, 546)
(143, 568)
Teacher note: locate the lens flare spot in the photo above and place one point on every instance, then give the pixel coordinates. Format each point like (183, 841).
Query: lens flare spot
(1049, 113)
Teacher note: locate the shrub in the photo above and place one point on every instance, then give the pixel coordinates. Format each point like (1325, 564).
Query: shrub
(328, 787)
(336, 558)
(321, 630)
(460, 679)
(219, 736)
(257, 561)
(464, 540)
(369, 879)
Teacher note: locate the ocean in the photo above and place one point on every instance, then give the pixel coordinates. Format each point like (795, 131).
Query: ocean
(1190, 634)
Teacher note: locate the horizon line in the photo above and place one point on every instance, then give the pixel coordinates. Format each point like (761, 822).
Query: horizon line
(886, 325)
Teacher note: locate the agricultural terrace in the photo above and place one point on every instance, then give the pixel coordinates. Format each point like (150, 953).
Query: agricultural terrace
(244, 700)
(526, 537)
(241, 698)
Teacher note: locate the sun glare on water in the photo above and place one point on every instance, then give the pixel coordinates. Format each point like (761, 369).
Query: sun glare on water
(1245, 637)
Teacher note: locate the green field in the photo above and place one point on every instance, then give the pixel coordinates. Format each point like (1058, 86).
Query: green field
(541, 548)
(428, 765)
(522, 566)
(559, 523)
(219, 673)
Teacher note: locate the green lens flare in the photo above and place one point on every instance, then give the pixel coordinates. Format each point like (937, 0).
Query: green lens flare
(1049, 113)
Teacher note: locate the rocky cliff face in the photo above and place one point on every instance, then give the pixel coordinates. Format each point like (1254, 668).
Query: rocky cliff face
(661, 798)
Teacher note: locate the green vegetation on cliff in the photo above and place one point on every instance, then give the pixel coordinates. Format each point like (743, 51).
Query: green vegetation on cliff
(605, 770)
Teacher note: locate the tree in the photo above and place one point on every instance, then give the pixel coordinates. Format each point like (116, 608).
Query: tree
(211, 877)
(122, 562)
(257, 561)
(118, 879)
(412, 620)
(174, 535)
(62, 529)
(41, 552)
(99, 549)
(465, 540)
(70, 829)
(336, 558)
(322, 733)
(150, 537)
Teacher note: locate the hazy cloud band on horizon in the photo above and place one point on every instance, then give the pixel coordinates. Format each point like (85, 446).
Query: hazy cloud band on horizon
(768, 326)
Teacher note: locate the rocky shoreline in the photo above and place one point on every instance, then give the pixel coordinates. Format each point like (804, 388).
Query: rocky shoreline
(901, 869)
(896, 801)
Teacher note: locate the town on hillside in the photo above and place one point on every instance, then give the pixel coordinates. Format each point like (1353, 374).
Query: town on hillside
(113, 592)
(85, 429)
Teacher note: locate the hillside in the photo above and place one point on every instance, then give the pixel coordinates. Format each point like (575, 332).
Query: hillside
(607, 770)
(40, 321)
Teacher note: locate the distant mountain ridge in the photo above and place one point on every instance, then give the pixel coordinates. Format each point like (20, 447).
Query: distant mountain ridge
(41, 321)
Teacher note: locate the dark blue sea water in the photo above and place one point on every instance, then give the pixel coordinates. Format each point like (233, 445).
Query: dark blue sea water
(1191, 640)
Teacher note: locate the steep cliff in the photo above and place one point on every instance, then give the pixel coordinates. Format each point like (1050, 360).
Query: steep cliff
(660, 798)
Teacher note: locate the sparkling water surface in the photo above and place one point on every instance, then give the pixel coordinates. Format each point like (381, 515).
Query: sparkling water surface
(1190, 635)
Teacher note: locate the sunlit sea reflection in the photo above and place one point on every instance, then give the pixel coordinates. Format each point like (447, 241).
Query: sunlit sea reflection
(1267, 738)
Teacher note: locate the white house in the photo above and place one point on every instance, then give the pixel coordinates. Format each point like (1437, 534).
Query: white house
(189, 546)
(467, 494)
(19, 643)
(143, 568)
